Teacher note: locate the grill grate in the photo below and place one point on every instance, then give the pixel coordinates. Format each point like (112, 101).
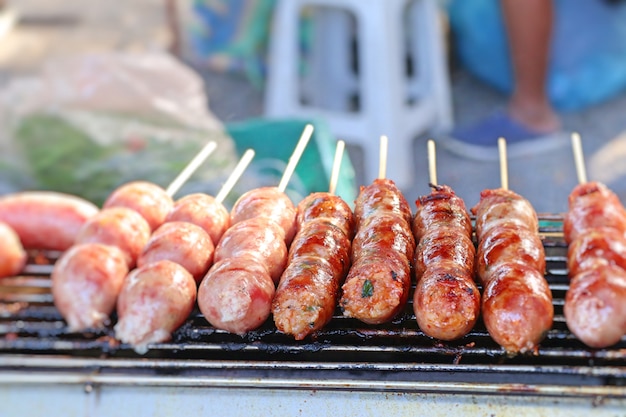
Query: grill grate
(30, 325)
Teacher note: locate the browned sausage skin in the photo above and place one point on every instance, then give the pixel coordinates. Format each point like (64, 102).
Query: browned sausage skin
(517, 302)
(595, 228)
(446, 301)
(319, 259)
(377, 286)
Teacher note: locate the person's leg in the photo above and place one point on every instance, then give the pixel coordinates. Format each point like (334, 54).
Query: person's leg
(529, 27)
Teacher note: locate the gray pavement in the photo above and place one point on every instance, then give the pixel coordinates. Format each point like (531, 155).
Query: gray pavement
(58, 27)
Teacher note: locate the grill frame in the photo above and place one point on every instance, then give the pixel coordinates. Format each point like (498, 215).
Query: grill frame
(347, 355)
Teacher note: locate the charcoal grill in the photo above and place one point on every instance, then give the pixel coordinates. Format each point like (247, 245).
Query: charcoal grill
(347, 368)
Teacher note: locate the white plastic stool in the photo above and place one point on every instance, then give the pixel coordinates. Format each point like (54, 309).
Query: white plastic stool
(391, 101)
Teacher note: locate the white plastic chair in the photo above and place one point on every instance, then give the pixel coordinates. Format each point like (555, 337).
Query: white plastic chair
(392, 101)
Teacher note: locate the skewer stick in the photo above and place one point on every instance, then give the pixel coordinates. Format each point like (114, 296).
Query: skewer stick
(504, 177)
(382, 164)
(295, 156)
(191, 167)
(235, 175)
(578, 158)
(334, 177)
(432, 162)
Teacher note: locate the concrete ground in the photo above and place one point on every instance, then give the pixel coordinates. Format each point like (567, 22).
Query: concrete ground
(46, 29)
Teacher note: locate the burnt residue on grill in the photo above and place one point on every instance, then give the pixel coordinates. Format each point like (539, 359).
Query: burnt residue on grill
(30, 325)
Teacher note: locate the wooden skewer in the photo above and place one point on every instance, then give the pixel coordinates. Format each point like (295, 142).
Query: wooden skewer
(432, 163)
(334, 177)
(504, 177)
(578, 158)
(382, 164)
(295, 156)
(191, 167)
(235, 175)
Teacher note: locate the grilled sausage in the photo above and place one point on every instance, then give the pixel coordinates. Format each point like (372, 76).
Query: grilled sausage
(154, 301)
(446, 301)
(270, 203)
(13, 257)
(594, 309)
(517, 302)
(257, 237)
(236, 294)
(592, 205)
(45, 219)
(183, 243)
(146, 198)
(204, 211)
(117, 226)
(319, 259)
(86, 281)
(377, 286)
(595, 228)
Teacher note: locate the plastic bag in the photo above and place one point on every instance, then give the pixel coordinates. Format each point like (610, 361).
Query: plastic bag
(88, 124)
(588, 50)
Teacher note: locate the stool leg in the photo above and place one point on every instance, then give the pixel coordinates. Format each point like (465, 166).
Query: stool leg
(282, 89)
(428, 47)
(332, 80)
(383, 79)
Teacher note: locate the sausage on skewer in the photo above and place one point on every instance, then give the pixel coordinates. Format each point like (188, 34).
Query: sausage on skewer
(446, 301)
(378, 283)
(319, 259)
(517, 302)
(595, 229)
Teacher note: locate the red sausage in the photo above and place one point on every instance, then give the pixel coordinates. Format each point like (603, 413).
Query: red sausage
(154, 301)
(86, 281)
(184, 243)
(236, 294)
(117, 226)
(146, 198)
(45, 219)
(268, 202)
(204, 211)
(13, 257)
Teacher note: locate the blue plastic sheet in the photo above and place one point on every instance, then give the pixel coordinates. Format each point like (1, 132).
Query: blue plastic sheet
(588, 50)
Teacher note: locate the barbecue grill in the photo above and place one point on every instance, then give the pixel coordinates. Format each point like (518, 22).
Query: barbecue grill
(346, 368)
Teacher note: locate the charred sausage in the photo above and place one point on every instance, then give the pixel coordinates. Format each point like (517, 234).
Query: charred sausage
(377, 286)
(446, 301)
(319, 259)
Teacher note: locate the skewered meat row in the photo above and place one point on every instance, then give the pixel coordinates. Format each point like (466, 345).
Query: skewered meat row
(236, 294)
(319, 259)
(595, 229)
(446, 301)
(517, 302)
(202, 210)
(378, 283)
